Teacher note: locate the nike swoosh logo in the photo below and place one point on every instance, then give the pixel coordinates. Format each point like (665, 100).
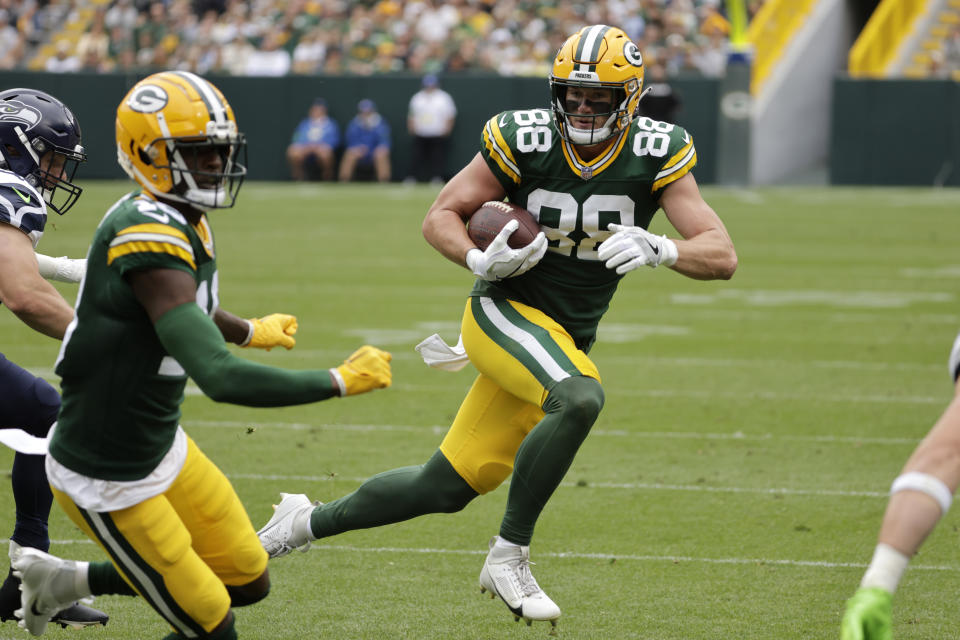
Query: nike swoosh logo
(655, 248)
(162, 217)
(22, 197)
(503, 121)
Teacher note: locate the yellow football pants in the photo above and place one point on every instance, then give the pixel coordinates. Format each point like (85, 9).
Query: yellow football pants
(521, 353)
(179, 549)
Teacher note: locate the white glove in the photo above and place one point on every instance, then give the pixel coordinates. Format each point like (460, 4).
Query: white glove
(62, 269)
(632, 247)
(499, 261)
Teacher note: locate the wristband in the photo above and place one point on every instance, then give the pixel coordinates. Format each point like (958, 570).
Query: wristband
(341, 384)
(250, 331)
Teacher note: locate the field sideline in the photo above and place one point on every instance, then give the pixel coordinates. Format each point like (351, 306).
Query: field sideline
(731, 488)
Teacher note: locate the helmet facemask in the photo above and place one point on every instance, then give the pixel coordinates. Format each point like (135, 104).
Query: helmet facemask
(206, 172)
(609, 116)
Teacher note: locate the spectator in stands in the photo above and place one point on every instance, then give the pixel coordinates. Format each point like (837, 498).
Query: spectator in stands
(63, 61)
(11, 42)
(309, 53)
(271, 59)
(315, 140)
(94, 45)
(367, 143)
(430, 122)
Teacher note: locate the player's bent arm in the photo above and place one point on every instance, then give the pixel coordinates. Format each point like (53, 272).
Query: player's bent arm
(706, 251)
(192, 338)
(444, 226)
(276, 329)
(23, 289)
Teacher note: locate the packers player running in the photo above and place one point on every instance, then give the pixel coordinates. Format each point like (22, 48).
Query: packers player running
(593, 174)
(919, 497)
(40, 152)
(148, 316)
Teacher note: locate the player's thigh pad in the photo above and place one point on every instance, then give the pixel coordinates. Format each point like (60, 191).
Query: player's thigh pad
(521, 353)
(221, 529)
(150, 546)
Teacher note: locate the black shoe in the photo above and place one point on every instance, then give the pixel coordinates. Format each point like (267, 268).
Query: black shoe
(79, 616)
(9, 597)
(76, 615)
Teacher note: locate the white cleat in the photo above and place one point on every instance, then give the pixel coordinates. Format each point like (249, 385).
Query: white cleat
(47, 584)
(288, 528)
(506, 573)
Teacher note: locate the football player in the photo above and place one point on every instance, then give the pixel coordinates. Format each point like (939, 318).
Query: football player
(920, 496)
(147, 317)
(594, 175)
(40, 151)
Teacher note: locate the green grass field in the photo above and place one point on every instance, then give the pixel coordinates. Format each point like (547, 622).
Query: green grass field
(732, 487)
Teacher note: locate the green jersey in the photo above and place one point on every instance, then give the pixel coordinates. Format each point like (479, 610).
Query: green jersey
(574, 200)
(121, 390)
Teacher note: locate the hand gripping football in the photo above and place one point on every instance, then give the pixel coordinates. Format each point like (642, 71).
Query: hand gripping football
(487, 221)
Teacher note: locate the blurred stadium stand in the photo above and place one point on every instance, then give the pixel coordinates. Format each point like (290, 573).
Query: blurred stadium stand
(807, 111)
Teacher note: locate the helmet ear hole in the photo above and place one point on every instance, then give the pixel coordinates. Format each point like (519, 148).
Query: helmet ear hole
(144, 158)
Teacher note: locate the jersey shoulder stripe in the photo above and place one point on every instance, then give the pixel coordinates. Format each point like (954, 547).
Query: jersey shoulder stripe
(151, 238)
(678, 165)
(498, 149)
(143, 233)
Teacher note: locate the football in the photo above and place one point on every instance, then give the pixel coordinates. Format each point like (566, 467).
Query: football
(487, 221)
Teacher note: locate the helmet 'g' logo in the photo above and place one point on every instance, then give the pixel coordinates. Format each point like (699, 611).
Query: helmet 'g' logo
(16, 111)
(632, 53)
(148, 98)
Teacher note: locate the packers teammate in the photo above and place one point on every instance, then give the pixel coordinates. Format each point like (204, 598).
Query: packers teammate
(147, 316)
(40, 151)
(593, 174)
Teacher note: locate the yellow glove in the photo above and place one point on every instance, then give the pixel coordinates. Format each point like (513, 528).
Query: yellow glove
(367, 369)
(271, 331)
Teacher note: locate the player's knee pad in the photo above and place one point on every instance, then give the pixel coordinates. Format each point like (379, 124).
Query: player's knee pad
(579, 397)
(448, 490)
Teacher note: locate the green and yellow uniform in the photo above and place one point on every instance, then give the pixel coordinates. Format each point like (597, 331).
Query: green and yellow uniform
(120, 465)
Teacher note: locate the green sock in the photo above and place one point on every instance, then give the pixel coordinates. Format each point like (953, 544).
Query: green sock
(547, 452)
(394, 496)
(104, 579)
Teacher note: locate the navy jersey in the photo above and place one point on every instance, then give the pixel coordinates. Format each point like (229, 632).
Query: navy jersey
(22, 206)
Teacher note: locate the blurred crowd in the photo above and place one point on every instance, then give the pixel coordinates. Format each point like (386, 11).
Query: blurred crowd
(278, 37)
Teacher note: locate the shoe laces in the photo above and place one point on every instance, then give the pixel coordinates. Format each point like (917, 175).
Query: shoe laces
(524, 577)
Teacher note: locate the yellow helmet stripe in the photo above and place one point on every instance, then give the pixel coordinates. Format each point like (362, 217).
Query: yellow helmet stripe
(500, 150)
(588, 49)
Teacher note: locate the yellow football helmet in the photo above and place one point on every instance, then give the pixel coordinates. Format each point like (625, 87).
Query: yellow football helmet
(597, 57)
(167, 126)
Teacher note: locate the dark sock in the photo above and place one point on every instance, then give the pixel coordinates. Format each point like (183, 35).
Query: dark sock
(33, 499)
(104, 579)
(394, 496)
(547, 452)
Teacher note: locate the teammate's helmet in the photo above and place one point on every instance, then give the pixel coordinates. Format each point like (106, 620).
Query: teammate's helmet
(167, 124)
(597, 57)
(40, 142)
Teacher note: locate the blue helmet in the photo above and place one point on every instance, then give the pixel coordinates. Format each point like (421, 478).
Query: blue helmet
(40, 142)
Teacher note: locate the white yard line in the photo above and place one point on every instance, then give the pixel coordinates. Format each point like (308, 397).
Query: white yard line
(620, 433)
(592, 556)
